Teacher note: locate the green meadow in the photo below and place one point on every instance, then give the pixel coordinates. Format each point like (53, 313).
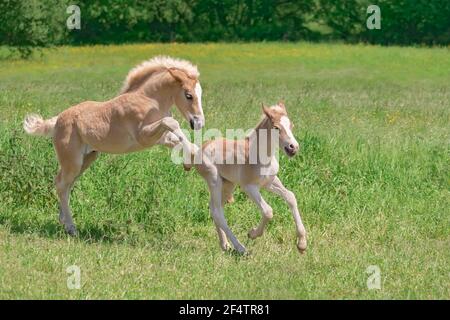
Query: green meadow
(372, 179)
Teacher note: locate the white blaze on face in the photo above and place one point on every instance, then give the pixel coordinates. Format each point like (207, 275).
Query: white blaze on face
(198, 93)
(286, 123)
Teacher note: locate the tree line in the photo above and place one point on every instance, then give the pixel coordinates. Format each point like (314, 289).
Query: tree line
(28, 24)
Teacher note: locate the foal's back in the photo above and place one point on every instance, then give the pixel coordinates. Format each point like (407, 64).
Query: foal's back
(228, 159)
(109, 126)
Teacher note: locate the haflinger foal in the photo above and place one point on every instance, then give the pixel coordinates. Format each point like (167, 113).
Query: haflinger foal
(252, 164)
(135, 120)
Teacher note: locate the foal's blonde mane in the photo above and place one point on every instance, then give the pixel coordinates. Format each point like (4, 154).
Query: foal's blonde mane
(139, 74)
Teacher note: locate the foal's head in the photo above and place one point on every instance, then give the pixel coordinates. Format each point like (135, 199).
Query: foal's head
(279, 120)
(188, 98)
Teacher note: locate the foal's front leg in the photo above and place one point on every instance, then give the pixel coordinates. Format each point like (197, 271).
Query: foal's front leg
(277, 187)
(169, 139)
(266, 211)
(165, 131)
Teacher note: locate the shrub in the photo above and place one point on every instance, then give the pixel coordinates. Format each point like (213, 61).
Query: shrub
(29, 24)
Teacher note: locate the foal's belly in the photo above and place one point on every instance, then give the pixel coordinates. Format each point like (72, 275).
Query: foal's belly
(242, 174)
(248, 174)
(110, 139)
(116, 148)
(112, 126)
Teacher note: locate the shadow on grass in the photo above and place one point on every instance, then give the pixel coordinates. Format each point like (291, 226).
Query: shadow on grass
(107, 232)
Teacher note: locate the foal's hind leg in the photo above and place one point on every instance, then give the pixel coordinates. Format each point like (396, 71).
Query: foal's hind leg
(215, 205)
(70, 157)
(65, 216)
(64, 182)
(227, 196)
(88, 160)
(227, 191)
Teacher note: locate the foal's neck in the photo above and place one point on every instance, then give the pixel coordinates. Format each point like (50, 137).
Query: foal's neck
(260, 140)
(159, 88)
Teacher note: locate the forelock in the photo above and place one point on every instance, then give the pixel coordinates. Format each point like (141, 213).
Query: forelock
(277, 112)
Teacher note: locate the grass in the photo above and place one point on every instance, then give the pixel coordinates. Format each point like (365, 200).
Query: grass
(372, 179)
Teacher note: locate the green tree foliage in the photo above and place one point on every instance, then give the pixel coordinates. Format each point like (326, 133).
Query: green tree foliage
(250, 19)
(403, 22)
(25, 24)
(110, 21)
(192, 20)
(409, 22)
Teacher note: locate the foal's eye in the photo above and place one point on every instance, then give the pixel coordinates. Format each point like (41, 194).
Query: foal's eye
(188, 95)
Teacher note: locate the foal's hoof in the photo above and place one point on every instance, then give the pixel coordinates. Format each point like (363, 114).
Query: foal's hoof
(71, 230)
(241, 250)
(225, 247)
(253, 234)
(301, 245)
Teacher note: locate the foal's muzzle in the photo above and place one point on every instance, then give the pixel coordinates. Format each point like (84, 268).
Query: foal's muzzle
(291, 149)
(197, 122)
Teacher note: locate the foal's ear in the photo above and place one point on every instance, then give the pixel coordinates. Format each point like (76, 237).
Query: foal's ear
(267, 111)
(281, 104)
(179, 75)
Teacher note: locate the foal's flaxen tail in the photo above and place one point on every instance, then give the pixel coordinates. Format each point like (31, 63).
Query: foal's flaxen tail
(36, 126)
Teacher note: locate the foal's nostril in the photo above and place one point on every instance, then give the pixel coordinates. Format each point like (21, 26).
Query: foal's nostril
(291, 146)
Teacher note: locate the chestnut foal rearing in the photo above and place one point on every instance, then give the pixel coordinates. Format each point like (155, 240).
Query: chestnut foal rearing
(217, 162)
(137, 119)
